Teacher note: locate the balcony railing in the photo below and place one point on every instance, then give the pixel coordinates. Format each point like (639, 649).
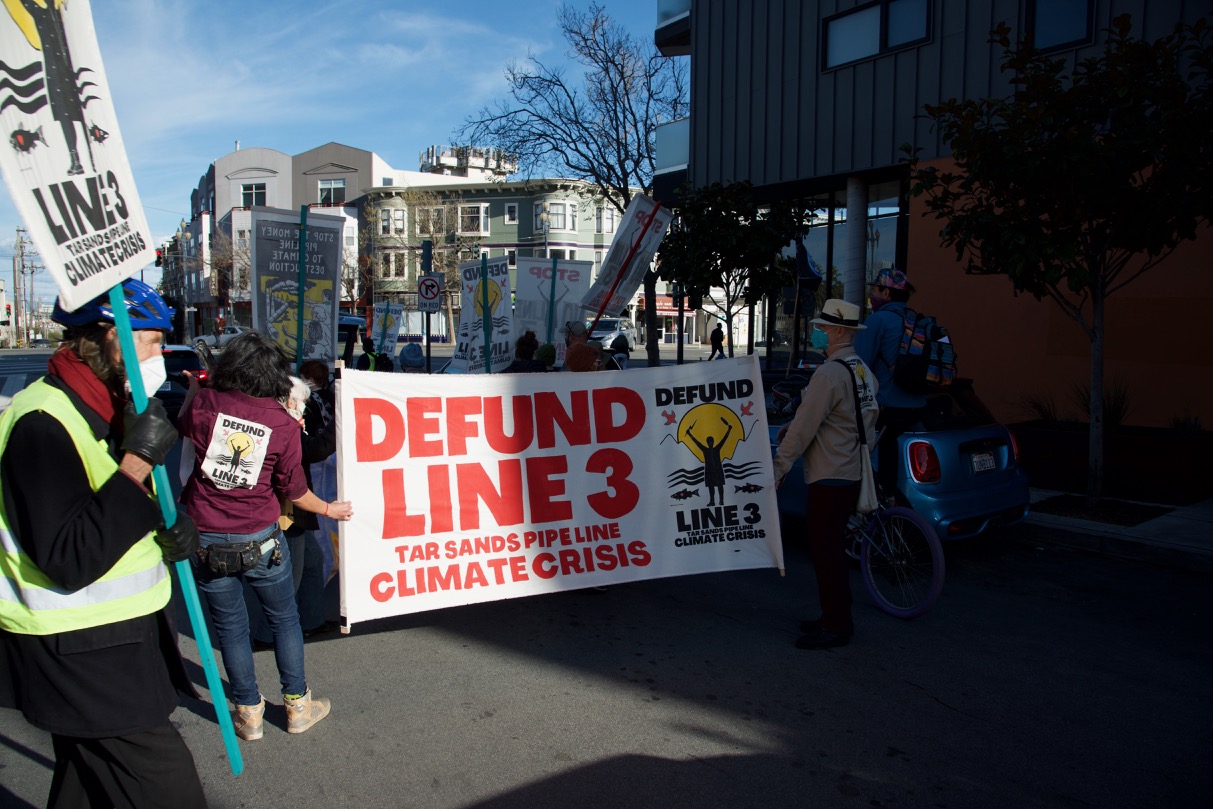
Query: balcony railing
(672, 146)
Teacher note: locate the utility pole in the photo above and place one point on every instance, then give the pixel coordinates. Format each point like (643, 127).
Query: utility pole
(18, 297)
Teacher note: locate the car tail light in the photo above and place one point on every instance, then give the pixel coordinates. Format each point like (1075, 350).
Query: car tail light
(924, 463)
(1014, 447)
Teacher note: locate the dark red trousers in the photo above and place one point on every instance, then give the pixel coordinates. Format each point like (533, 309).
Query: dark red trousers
(828, 509)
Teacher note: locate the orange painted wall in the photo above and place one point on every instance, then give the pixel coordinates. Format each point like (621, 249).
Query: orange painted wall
(1159, 334)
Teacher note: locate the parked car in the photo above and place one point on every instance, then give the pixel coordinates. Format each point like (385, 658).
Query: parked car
(41, 342)
(177, 360)
(960, 471)
(226, 334)
(609, 328)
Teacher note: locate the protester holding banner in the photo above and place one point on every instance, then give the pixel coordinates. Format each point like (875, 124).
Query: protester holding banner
(825, 431)
(249, 455)
(84, 593)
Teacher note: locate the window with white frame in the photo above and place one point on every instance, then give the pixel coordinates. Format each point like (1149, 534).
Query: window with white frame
(332, 192)
(474, 219)
(398, 220)
(597, 260)
(430, 221)
(242, 240)
(604, 219)
(871, 30)
(512, 257)
(252, 194)
(560, 215)
(385, 221)
(511, 213)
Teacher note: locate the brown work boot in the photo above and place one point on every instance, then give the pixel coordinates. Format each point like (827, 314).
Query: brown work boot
(249, 721)
(303, 712)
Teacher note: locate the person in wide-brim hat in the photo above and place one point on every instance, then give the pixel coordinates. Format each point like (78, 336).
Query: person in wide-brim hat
(836, 312)
(825, 433)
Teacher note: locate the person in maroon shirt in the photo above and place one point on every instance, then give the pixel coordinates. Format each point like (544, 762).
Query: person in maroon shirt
(247, 457)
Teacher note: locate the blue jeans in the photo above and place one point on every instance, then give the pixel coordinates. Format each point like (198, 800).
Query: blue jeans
(274, 586)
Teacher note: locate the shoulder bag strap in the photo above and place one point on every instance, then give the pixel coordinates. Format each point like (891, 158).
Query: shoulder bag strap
(863, 434)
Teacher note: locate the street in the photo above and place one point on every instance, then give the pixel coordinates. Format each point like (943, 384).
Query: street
(1044, 677)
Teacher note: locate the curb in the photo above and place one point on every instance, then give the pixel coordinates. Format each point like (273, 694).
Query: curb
(1120, 542)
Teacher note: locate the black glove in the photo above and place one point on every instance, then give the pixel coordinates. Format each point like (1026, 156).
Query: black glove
(180, 541)
(149, 434)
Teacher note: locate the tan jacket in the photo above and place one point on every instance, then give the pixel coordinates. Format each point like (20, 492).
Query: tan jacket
(823, 429)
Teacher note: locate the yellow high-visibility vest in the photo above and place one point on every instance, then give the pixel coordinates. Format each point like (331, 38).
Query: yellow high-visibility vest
(30, 603)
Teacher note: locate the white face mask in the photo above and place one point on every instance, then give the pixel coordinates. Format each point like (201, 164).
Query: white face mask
(153, 373)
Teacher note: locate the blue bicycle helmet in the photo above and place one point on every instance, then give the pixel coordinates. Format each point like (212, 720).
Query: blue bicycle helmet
(146, 308)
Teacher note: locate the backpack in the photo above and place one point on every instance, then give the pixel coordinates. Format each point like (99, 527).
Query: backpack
(925, 360)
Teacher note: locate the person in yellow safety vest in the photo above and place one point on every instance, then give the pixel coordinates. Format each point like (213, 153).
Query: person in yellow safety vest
(86, 627)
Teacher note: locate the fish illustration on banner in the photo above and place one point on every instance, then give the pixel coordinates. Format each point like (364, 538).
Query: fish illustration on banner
(66, 165)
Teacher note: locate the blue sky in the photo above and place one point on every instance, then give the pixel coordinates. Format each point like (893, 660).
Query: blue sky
(189, 79)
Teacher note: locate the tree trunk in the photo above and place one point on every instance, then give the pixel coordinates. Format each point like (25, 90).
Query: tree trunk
(1095, 456)
(650, 319)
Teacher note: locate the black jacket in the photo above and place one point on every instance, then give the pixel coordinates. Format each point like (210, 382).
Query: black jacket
(109, 680)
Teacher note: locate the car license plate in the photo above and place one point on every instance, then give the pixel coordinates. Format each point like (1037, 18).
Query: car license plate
(983, 461)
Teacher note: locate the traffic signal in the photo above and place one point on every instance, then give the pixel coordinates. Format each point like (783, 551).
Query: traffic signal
(159, 257)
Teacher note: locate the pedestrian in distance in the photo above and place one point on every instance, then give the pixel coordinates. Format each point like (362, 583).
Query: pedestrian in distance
(717, 340)
(825, 432)
(86, 624)
(878, 346)
(249, 456)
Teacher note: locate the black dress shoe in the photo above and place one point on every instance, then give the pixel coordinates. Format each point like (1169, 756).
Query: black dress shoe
(823, 639)
(810, 625)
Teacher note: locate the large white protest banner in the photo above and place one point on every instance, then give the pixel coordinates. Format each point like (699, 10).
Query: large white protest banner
(66, 167)
(274, 255)
(541, 299)
(485, 300)
(478, 489)
(643, 227)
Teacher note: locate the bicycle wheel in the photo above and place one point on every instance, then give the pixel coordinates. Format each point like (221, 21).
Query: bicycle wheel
(902, 562)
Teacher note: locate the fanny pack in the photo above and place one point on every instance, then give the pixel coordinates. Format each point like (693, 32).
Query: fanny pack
(230, 558)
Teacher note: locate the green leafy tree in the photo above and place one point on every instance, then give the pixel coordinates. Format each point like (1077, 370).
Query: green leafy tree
(725, 246)
(1076, 185)
(596, 125)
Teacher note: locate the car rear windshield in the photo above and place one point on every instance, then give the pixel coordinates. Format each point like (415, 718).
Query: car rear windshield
(607, 325)
(178, 361)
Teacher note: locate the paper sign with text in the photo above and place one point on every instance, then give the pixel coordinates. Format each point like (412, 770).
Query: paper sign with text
(274, 255)
(385, 326)
(65, 164)
(537, 296)
(479, 289)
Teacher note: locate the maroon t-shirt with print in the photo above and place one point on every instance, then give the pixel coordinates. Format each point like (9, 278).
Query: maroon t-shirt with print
(247, 453)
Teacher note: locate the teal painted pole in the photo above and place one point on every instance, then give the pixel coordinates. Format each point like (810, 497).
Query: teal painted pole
(486, 315)
(302, 287)
(185, 574)
(552, 301)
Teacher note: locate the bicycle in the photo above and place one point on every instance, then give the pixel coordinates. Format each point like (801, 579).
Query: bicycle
(900, 557)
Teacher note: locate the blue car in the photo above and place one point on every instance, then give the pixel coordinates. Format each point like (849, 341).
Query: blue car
(960, 471)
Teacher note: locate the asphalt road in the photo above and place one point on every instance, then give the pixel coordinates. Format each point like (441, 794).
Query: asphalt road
(1044, 677)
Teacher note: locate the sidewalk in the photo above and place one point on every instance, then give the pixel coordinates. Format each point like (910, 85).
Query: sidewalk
(1182, 537)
